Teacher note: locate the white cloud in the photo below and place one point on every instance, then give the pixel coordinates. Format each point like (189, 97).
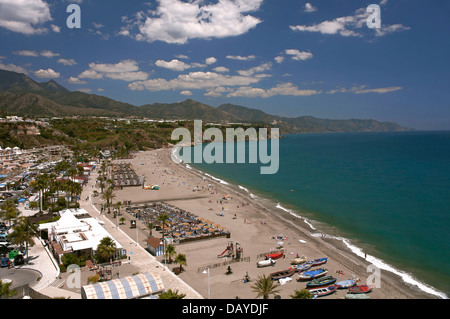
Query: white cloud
(221, 69)
(379, 90)
(299, 55)
(310, 8)
(126, 70)
(55, 28)
(175, 65)
(390, 29)
(73, 80)
(24, 16)
(187, 93)
(26, 53)
(211, 60)
(49, 54)
(181, 56)
(47, 74)
(128, 76)
(349, 26)
(217, 91)
(90, 74)
(45, 53)
(280, 89)
(85, 90)
(194, 80)
(122, 66)
(279, 59)
(176, 21)
(13, 68)
(363, 90)
(241, 58)
(257, 69)
(67, 61)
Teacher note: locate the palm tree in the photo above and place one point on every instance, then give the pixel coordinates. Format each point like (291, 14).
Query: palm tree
(163, 218)
(180, 259)
(106, 249)
(301, 294)
(9, 211)
(77, 189)
(102, 185)
(5, 289)
(150, 227)
(23, 232)
(170, 251)
(108, 195)
(265, 286)
(169, 294)
(118, 206)
(40, 184)
(72, 172)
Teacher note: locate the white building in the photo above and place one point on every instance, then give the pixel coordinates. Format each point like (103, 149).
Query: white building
(76, 232)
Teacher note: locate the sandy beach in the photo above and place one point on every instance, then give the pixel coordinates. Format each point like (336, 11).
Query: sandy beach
(257, 230)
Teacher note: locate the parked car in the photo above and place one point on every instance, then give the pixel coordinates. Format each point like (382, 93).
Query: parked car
(5, 262)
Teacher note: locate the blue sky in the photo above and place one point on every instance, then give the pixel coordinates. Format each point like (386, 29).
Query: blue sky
(285, 57)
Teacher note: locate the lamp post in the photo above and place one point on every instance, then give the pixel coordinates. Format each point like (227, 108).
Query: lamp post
(164, 247)
(206, 271)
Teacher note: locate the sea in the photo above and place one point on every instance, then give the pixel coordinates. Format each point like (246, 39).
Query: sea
(386, 195)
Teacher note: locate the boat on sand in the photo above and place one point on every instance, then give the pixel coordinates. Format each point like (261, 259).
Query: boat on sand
(323, 291)
(322, 281)
(346, 283)
(312, 274)
(299, 260)
(318, 261)
(282, 274)
(275, 255)
(361, 289)
(265, 263)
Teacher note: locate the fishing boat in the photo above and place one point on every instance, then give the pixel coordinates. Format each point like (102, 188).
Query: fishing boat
(323, 291)
(299, 260)
(275, 255)
(282, 274)
(302, 267)
(362, 289)
(346, 283)
(312, 274)
(318, 261)
(265, 263)
(319, 282)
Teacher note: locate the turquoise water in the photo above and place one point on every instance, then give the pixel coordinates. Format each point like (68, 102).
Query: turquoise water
(389, 193)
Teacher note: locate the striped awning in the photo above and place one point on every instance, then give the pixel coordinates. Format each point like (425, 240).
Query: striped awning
(130, 287)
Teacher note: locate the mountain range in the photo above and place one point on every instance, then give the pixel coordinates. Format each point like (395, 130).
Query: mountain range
(22, 96)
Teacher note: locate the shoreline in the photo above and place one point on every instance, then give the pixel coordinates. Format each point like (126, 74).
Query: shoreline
(254, 235)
